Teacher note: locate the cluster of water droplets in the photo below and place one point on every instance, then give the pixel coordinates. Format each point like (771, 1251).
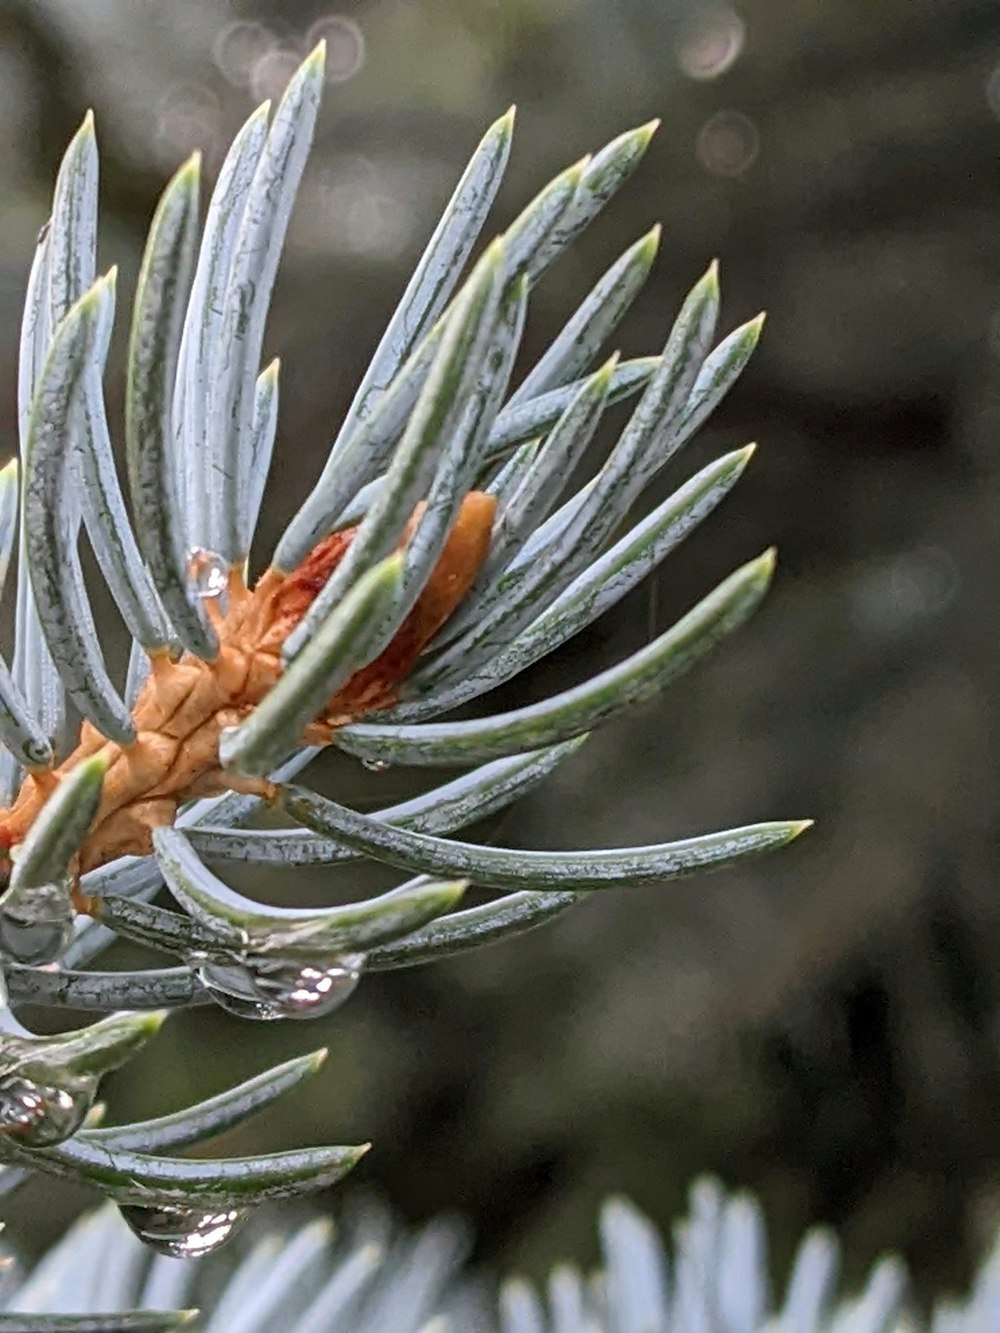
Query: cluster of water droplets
(264, 988)
(181, 1232)
(36, 924)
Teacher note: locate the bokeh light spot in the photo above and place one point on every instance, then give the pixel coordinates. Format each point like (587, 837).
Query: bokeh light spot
(361, 206)
(993, 91)
(238, 48)
(892, 595)
(273, 71)
(728, 143)
(345, 46)
(711, 43)
(188, 117)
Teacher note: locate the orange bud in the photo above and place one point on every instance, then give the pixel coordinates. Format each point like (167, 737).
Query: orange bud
(377, 684)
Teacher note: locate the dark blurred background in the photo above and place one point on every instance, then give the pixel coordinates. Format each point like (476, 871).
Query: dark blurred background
(824, 1027)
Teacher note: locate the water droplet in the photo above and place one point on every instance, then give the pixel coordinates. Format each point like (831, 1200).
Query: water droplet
(40, 1114)
(240, 1007)
(183, 1233)
(728, 143)
(345, 46)
(230, 986)
(36, 924)
(238, 47)
(37, 753)
(376, 765)
(711, 43)
(266, 989)
(307, 990)
(209, 573)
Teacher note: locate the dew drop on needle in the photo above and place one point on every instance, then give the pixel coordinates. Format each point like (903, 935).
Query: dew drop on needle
(183, 1233)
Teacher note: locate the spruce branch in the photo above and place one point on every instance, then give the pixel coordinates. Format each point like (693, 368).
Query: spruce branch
(441, 552)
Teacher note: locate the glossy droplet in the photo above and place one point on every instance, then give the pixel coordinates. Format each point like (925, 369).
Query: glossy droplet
(183, 1233)
(306, 990)
(376, 765)
(239, 1005)
(230, 986)
(36, 924)
(266, 988)
(209, 573)
(40, 1114)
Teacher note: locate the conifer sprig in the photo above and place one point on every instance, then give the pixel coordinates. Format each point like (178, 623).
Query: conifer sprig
(441, 551)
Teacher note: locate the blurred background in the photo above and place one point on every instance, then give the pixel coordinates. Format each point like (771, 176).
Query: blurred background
(824, 1027)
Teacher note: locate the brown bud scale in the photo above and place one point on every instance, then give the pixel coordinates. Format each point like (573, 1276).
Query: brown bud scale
(184, 706)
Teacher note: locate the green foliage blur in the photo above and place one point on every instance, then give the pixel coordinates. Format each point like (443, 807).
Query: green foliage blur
(826, 1028)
